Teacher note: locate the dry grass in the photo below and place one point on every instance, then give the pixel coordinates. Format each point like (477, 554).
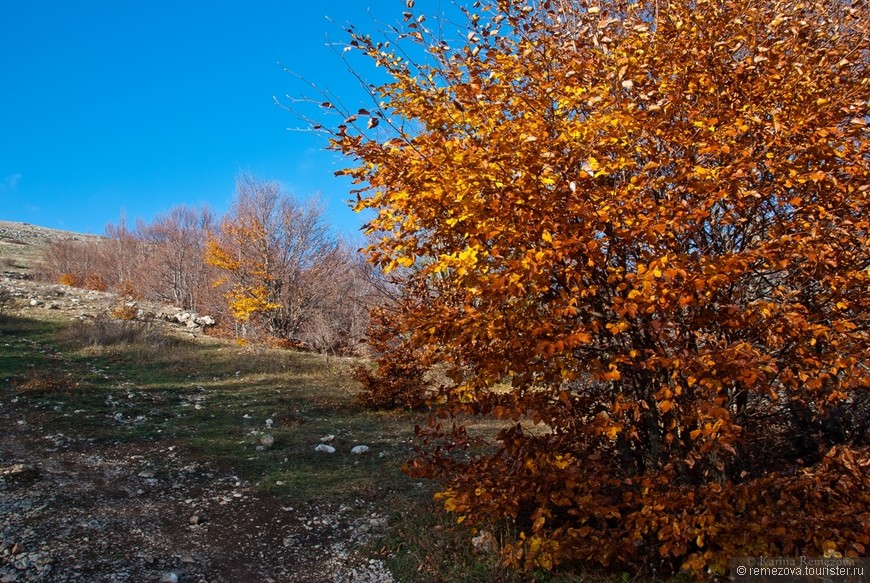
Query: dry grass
(6, 301)
(104, 331)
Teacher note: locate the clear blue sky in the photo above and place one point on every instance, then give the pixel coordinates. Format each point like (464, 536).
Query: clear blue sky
(111, 107)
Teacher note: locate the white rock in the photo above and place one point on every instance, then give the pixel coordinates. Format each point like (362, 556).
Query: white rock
(327, 438)
(169, 578)
(269, 423)
(325, 448)
(485, 543)
(360, 449)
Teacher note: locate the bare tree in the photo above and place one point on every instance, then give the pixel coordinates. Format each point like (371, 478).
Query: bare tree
(176, 243)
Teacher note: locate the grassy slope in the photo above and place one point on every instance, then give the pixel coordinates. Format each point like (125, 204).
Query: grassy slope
(22, 245)
(118, 382)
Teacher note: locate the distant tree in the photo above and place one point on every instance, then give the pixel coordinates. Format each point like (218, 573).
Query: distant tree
(121, 257)
(280, 265)
(177, 246)
(72, 261)
(651, 219)
(341, 291)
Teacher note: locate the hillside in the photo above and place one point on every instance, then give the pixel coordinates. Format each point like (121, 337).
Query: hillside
(22, 245)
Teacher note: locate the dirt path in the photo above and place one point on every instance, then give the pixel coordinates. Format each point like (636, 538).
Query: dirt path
(72, 510)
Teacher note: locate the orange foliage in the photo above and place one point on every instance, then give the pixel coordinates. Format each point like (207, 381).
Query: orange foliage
(398, 379)
(124, 312)
(652, 220)
(95, 282)
(69, 279)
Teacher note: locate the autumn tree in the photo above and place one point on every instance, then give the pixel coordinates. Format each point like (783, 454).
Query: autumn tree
(651, 219)
(282, 269)
(162, 260)
(397, 373)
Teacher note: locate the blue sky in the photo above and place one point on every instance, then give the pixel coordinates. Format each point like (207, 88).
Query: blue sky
(111, 107)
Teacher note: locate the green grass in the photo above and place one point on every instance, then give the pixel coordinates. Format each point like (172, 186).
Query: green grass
(121, 382)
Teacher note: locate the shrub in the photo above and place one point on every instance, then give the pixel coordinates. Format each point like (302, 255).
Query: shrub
(124, 312)
(104, 331)
(6, 300)
(94, 281)
(69, 279)
(42, 382)
(398, 378)
(127, 289)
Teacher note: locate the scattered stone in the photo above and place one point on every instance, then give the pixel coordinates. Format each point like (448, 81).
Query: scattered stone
(267, 440)
(484, 543)
(269, 423)
(194, 520)
(18, 474)
(145, 315)
(327, 438)
(169, 578)
(325, 448)
(35, 302)
(360, 449)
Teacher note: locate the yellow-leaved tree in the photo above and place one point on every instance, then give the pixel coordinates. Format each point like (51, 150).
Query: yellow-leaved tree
(651, 219)
(280, 267)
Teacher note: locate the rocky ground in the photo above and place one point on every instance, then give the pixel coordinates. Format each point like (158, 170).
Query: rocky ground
(71, 510)
(74, 509)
